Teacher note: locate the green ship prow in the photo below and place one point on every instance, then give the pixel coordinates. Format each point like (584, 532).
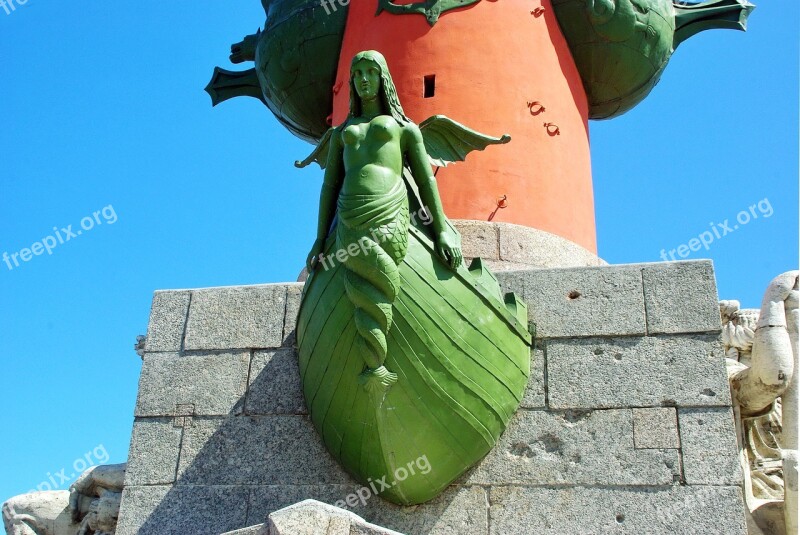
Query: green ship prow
(461, 353)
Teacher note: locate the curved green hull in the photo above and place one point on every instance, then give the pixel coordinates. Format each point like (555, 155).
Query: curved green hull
(462, 357)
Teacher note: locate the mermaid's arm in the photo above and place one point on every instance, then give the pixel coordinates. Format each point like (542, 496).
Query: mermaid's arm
(334, 175)
(447, 240)
(423, 176)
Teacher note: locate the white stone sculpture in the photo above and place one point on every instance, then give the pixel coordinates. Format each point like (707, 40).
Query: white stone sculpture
(39, 513)
(311, 517)
(761, 347)
(90, 507)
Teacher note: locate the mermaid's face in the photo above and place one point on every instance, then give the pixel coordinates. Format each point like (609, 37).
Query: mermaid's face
(366, 79)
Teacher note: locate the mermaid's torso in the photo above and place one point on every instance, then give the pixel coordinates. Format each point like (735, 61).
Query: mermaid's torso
(373, 157)
(372, 227)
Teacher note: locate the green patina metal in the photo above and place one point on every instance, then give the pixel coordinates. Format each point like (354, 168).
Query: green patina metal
(431, 9)
(442, 136)
(405, 354)
(296, 56)
(621, 47)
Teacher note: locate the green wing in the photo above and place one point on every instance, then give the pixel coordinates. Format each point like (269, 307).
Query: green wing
(320, 154)
(448, 141)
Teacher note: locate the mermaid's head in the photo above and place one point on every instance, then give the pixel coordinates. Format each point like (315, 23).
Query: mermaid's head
(386, 92)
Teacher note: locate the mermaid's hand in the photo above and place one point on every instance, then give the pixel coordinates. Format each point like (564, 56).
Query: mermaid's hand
(313, 256)
(448, 246)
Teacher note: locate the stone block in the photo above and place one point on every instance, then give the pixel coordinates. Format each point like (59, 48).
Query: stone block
(456, 511)
(246, 317)
(708, 440)
(682, 370)
(168, 315)
(275, 384)
(311, 517)
(153, 455)
(541, 249)
(215, 383)
(496, 266)
(600, 301)
(266, 499)
(535, 393)
(253, 450)
(260, 529)
(478, 239)
(681, 297)
(634, 511)
(294, 292)
(574, 448)
(656, 428)
(167, 510)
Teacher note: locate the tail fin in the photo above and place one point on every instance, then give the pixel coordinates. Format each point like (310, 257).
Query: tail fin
(225, 85)
(695, 18)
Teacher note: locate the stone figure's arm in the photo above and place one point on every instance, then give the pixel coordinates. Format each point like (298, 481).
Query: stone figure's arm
(772, 357)
(332, 183)
(448, 244)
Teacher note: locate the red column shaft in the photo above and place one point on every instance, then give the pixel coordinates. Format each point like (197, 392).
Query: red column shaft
(490, 60)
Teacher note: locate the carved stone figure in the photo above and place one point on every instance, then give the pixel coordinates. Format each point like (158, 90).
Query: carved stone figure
(762, 353)
(408, 359)
(39, 513)
(90, 507)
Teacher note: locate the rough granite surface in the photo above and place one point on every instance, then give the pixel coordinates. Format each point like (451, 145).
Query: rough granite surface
(626, 425)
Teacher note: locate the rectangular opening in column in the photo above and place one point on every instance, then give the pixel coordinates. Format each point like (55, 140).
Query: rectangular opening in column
(429, 83)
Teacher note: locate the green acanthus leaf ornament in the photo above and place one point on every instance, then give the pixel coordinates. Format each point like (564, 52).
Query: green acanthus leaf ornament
(407, 357)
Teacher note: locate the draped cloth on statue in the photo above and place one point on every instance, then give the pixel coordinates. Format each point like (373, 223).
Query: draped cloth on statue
(373, 229)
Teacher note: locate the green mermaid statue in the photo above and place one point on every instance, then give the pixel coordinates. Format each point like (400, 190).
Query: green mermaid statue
(404, 353)
(364, 185)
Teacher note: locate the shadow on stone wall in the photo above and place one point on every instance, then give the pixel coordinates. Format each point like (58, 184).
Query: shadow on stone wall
(234, 470)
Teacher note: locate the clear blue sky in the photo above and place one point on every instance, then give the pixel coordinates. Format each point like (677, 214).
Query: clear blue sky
(101, 104)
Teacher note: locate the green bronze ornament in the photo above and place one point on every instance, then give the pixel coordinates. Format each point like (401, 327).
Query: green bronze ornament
(405, 354)
(431, 9)
(295, 56)
(621, 47)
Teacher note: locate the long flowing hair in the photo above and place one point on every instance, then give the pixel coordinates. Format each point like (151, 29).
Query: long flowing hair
(387, 92)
